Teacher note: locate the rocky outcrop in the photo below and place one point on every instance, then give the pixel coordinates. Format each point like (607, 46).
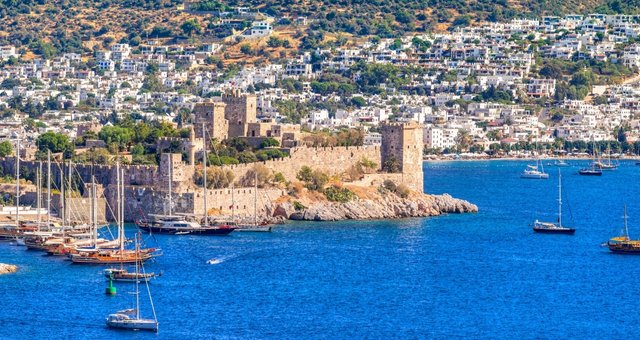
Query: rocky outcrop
(385, 207)
(7, 268)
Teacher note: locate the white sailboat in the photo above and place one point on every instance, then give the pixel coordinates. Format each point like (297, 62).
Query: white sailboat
(130, 318)
(535, 171)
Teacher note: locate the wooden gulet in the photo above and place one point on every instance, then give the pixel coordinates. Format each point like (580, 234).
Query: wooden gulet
(118, 255)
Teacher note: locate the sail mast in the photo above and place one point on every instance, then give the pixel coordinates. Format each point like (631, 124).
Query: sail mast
(119, 210)
(18, 182)
(68, 201)
(94, 213)
(136, 279)
(48, 187)
(560, 198)
(204, 174)
(170, 180)
(122, 237)
(255, 198)
(39, 192)
(62, 194)
(626, 229)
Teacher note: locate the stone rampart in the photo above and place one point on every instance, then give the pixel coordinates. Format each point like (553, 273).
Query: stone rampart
(331, 160)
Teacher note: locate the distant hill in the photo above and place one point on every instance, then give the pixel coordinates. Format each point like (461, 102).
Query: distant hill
(388, 18)
(48, 27)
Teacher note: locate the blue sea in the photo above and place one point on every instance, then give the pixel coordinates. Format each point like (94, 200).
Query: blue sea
(484, 275)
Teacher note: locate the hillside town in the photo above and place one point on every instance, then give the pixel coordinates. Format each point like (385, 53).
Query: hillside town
(477, 88)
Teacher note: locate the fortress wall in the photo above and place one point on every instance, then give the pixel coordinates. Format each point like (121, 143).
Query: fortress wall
(331, 160)
(144, 201)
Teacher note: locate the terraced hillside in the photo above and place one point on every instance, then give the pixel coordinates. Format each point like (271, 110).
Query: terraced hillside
(48, 27)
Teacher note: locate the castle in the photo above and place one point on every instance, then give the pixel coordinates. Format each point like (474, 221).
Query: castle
(228, 118)
(399, 158)
(235, 115)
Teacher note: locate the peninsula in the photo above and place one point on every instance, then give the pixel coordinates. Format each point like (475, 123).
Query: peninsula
(302, 183)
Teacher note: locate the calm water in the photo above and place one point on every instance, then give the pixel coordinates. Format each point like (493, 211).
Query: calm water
(481, 275)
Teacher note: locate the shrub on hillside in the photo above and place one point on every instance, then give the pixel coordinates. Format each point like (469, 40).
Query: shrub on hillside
(337, 194)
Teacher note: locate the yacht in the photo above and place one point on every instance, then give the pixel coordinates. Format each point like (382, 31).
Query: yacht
(123, 275)
(178, 225)
(624, 244)
(595, 168)
(130, 318)
(550, 227)
(533, 172)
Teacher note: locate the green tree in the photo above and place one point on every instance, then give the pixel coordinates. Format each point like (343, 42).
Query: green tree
(55, 142)
(391, 165)
(358, 101)
(190, 26)
(246, 49)
(269, 142)
(121, 136)
(5, 148)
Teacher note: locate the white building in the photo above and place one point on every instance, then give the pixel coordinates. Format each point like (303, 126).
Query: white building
(7, 52)
(373, 138)
(440, 138)
(259, 29)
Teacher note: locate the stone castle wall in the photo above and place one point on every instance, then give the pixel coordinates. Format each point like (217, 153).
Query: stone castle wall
(331, 160)
(142, 202)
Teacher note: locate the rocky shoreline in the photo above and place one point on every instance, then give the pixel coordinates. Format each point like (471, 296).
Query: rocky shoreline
(385, 207)
(7, 268)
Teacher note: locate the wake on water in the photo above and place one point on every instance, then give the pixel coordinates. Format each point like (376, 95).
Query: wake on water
(218, 260)
(221, 259)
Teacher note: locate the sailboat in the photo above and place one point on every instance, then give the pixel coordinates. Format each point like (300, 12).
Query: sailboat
(608, 164)
(535, 171)
(210, 228)
(14, 231)
(624, 244)
(550, 227)
(592, 170)
(255, 227)
(178, 225)
(130, 318)
(102, 255)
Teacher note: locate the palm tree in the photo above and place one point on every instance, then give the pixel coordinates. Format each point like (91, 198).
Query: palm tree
(464, 139)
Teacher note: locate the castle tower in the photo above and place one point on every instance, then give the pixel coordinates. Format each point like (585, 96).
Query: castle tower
(240, 110)
(401, 152)
(212, 115)
(171, 169)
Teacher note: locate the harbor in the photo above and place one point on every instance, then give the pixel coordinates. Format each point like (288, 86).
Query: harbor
(386, 278)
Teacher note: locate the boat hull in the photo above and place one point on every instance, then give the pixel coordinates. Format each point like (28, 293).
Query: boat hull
(539, 176)
(212, 231)
(567, 231)
(623, 249)
(142, 325)
(255, 230)
(590, 173)
(187, 231)
(626, 252)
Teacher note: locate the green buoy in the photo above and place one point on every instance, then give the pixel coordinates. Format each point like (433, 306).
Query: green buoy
(111, 290)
